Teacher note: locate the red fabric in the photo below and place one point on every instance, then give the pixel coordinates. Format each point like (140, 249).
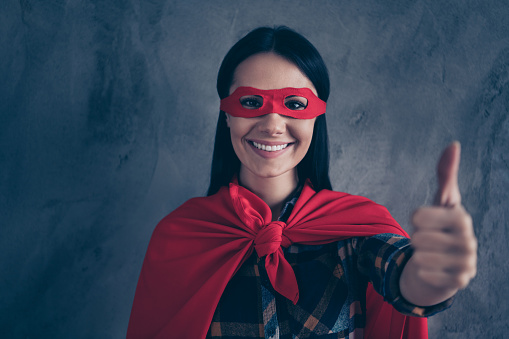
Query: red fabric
(273, 101)
(196, 249)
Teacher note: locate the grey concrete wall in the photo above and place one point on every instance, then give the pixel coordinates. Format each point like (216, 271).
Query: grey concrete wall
(107, 117)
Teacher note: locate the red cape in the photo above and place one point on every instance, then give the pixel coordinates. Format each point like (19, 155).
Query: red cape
(196, 249)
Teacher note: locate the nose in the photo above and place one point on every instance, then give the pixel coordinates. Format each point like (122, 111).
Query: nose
(272, 124)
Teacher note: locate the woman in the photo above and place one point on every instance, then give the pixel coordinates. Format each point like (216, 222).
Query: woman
(272, 252)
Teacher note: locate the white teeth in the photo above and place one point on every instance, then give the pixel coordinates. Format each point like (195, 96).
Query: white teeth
(268, 148)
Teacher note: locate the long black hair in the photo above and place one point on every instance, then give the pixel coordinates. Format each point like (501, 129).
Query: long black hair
(294, 47)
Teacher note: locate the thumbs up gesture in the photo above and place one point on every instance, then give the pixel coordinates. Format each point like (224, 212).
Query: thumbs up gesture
(445, 247)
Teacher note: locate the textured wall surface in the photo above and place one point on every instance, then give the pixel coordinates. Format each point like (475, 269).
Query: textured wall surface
(107, 118)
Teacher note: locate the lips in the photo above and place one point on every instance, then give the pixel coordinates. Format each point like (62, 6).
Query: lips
(269, 148)
(272, 149)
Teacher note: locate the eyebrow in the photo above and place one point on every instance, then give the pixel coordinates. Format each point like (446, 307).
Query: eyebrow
(296, 96)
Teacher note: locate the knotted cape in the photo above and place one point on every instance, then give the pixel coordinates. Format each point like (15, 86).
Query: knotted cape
(196, 250)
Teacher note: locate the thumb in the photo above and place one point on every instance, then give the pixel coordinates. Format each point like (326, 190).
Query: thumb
(448, 193)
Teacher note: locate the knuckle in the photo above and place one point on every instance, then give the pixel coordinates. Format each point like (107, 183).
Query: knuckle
(463, 280)
(469, 219)
(466, 245)
(473, 264)
(466, 221)
(463, 223)
(471, 247)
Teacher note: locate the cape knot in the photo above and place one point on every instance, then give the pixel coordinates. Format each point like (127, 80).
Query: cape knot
(269, 238)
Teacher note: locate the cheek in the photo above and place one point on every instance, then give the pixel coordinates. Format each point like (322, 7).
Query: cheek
(238, 129)
(303, 131)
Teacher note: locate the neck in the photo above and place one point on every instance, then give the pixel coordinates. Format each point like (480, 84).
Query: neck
(274, 191)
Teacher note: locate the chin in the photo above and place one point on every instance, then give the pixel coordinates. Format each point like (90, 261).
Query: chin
(274, 173)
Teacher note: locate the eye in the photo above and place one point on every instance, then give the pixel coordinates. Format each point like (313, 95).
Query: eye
(296, 103)
(251, 101)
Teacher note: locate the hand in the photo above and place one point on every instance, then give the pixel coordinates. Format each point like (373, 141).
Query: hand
(445, 247)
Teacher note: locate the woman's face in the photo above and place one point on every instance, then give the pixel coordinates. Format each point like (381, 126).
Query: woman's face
(270, 145)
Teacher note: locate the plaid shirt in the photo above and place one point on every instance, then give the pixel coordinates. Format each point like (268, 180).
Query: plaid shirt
(332, 282)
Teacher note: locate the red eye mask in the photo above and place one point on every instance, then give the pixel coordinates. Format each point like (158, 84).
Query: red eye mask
(272, 101)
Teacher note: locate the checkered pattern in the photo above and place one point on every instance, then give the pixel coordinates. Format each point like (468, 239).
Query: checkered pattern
(332, 282)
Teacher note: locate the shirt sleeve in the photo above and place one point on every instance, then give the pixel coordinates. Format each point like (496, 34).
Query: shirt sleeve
(382, 258)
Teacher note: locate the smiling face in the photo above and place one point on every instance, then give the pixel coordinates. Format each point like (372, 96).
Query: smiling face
(270, 145)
